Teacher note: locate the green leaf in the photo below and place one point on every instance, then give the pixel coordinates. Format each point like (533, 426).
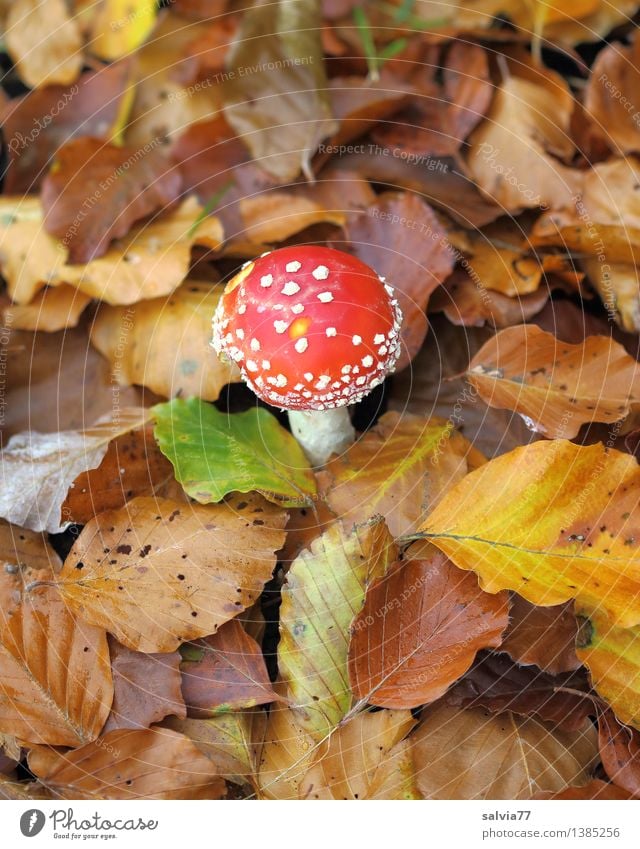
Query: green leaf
(215, 453)
(277, 96)
(324, 592)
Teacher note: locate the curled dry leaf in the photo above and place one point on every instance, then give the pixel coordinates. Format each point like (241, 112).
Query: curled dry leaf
(617, 285)
(544, 636)
(53, 308)
(165, 343)
(401, 238)
(131, 184)
(36, 124)
(358, 758)
(419, 630)
(620, 752)
(556, 387)
(44, 42)
(146, 688)
(224, 672)
(324, 591)
(472, 754)
(157, 573)
(40, 468)
(551, 520)
(399, 469)
(612, 656)
(130, 764)
(152, 260)
(498, 684)
(62, 695)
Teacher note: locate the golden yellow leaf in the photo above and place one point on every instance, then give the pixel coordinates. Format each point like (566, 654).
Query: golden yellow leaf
(274, 216)
(53, 308)
(120, 26)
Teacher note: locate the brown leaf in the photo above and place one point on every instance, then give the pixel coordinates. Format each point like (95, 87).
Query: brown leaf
(56, 678)
(157, 573)
(595, 789)
(146, 688)
(22, 553)
(620, 752)
(130, 764)
(23, 790)
(544, 636)
(128, 184)
(399, 469)
(556, 387)
(38, 123)
(420, 629)
(401, 238)
(304, 526)
(497, 683)
(53, 308)
(224, 672)
(132, 466)
(470, 754)
(204, 56)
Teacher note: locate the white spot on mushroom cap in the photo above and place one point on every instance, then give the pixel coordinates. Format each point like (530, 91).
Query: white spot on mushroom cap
(331, 331)
(367, 361)
(291, 287)
(242, 309)
(321, 272)
(296, 309)
(379, 338)
(346, 369)
(240, 333)
(325, 297)
(308, 376)
(254, 345)
(266, 281)
(301, 345)
(280, 326)
(293, 266)
(252, 365)
(357, 340)
(266, 365)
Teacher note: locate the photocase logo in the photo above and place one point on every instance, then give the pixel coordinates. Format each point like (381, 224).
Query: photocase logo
(32, 822)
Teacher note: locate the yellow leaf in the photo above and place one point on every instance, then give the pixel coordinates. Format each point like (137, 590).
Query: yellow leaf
(553, 521)
(52, 309)
(120, 26)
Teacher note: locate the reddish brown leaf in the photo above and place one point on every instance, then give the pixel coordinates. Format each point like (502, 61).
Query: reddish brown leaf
(38, 123)
(204, 55)
(620, 752)
(129, 764)
(496, 683)
(544, 636)
(401, 238)
(224, 672)
(146, 688)
(129, 184)
(420, 629)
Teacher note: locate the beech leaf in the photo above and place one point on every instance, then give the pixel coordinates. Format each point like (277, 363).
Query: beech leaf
(544, 636)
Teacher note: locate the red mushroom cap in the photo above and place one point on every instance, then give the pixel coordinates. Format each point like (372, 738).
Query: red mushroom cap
(311, 328)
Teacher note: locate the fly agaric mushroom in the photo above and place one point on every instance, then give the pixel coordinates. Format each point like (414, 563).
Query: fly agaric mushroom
(312, 330)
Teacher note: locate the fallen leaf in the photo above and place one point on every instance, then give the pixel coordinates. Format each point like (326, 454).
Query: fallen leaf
(595, 789)
(132, 183)
(133, 465)
(146, 688)
(171, 572)
(470, 754)
(556, 387)
(401, 238)
(53, 308)
(36, 124)
(276, 94)
(551, 520)
(151, 261)
(500, 260)
(617, 285)
(395, 777)
(324, 592)
(130, 764)
(118, 27)
(165, 343)
(285, 752)
(55, 672)
(304, 526)
(620, 752)
(23, 790)
(544, 636)
(39, 468)
(419, 630)
(356, 756)
(44, 42)
(612, 656)
(276, 215)
(498, 684)
(224, 672)
(252, 452)
(399, 469)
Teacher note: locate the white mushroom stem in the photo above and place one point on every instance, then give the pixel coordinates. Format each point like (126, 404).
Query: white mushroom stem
(322, 433)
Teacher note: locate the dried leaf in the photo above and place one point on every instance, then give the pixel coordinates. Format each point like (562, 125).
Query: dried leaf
(556, 387)
(551, 520)
(146, 688)
(620, 752)
(130, 764)
(419, 630)
(324, 591)
(165, 343)
(399, 469)
(595, 789)
(157, 572)
(224, 672)
(274, 216)
(286, 752)
(52, 309)
(544, 636)
(118, 27)
(40, 468)
(252, 452)
(471, 754)
(130, 182)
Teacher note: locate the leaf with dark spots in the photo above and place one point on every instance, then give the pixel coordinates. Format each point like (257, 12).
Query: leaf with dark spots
(132, 183)
(146, 688)
(224, 672)
(497, 683)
